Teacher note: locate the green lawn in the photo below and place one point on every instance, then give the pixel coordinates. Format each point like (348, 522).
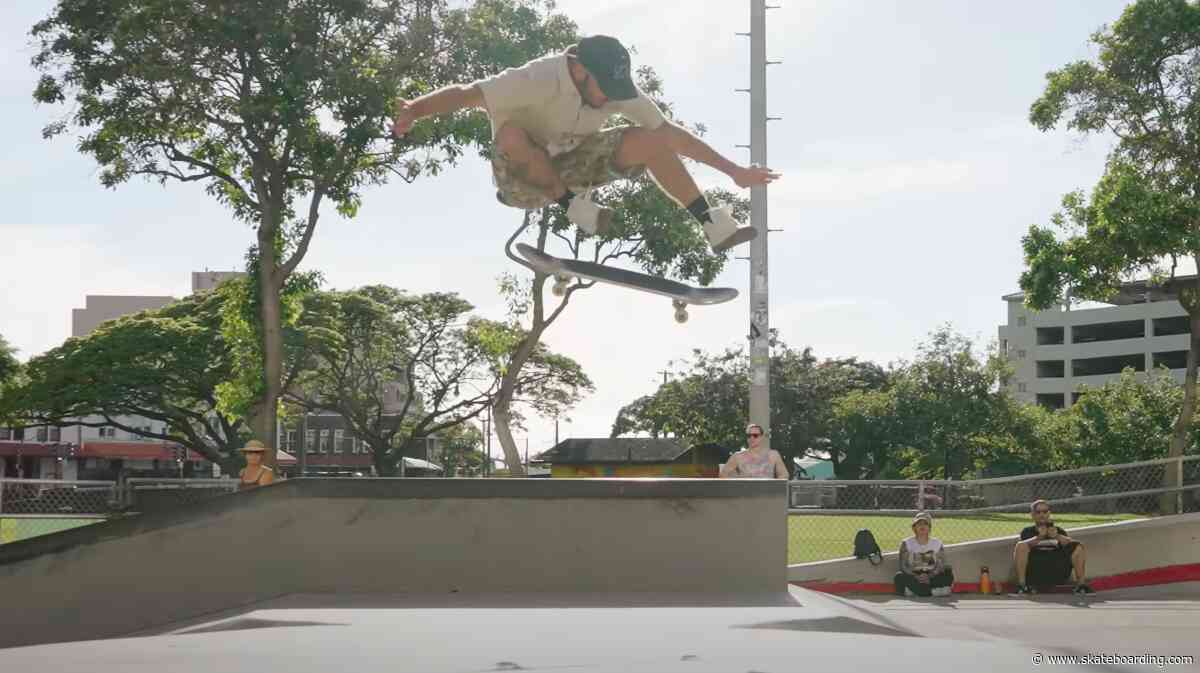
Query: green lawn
(818, 537)
(16, 528)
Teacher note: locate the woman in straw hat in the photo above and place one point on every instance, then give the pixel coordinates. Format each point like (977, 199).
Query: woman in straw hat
(255, 473)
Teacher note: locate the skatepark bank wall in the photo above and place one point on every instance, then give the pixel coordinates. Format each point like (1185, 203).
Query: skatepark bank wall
(395, 536)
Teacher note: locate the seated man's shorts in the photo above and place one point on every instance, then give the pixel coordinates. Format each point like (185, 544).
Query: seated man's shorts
(1049, 568)
(590, 164)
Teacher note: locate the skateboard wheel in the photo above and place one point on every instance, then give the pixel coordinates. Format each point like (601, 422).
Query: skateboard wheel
(681, 315)
(679, 305)
(559, 289)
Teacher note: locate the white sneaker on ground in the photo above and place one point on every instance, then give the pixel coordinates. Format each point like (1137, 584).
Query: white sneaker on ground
(589, 216)
(724, 232)
(940, 591)
(908, 593)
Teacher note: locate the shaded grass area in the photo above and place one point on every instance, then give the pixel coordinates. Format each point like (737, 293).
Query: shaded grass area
(13, 529)
(820, 537)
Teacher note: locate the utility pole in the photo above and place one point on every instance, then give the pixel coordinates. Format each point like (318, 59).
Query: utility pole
(760, 349)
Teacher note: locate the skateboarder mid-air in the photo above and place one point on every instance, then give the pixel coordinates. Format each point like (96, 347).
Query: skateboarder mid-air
(546, 123)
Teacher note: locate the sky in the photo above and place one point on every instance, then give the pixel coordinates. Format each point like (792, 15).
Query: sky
(910, 173)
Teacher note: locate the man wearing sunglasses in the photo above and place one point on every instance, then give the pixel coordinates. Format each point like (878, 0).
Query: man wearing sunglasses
(1046, 555)
(756, 462)
(547, 117)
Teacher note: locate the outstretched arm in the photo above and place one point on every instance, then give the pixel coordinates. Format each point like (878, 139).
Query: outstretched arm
(443, 101)
(686, 143)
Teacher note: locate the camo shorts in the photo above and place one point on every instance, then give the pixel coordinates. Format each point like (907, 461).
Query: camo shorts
(588, 165)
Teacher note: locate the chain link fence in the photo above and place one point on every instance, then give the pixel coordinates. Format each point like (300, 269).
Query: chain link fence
(32, 507)
(824, 515)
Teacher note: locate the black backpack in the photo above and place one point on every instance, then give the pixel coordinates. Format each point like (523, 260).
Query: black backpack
(866, 547)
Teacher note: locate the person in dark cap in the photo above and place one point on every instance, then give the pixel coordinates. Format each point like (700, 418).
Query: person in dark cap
(547, 117)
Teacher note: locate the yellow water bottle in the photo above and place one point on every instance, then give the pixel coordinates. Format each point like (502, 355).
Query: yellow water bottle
(985, 580)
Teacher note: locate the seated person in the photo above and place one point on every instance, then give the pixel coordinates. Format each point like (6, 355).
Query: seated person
(1046, 555)
(923, 569)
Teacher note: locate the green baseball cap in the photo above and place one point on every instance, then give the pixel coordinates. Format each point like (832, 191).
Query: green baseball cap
(608, 62)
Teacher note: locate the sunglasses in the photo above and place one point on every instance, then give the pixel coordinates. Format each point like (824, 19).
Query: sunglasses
(754, 434)
(1041, 511)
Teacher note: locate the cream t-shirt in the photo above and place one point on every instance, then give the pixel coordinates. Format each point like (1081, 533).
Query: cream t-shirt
(540, 98)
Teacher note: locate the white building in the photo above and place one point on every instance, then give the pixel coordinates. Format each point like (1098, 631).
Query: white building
(101, 308)
(1055, 352)
(207, 280)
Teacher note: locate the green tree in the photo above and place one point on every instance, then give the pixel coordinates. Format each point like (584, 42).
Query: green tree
(401, 368)
(946, 404)
(1144, 215)
(9, 365)
(163, 365)
(649, 230)
(277, 107)
(864, 436)
(460, 450)
(10, 370)
(706, 401)
(1127, 419)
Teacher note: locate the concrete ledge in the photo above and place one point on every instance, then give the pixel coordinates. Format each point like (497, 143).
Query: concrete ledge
(369, 537)
(393, 489)
(1115, 550)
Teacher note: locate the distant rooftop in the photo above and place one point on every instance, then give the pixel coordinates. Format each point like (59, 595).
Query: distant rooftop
(1136, 292)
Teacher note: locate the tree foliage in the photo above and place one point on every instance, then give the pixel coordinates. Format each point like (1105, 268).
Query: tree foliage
(1143, 216)
(399, 367)
(706, 400)
(164, 365)
(1127, 419)
(277, 107)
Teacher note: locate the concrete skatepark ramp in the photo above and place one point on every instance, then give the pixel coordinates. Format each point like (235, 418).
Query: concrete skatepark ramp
(725, 541)
(473, 575)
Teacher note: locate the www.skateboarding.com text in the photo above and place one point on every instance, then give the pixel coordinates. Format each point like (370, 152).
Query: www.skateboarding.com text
(1106, 659)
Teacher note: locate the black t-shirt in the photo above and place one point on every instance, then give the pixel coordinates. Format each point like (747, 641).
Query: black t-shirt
(1043, 545)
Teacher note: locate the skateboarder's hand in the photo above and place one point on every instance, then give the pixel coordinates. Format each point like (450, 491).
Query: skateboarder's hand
(751, 176)
(402, 118)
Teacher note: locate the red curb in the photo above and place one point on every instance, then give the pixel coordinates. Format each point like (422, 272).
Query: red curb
(1189, 572)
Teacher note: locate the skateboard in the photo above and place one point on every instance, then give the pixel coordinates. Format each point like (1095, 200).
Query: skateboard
(681, 294)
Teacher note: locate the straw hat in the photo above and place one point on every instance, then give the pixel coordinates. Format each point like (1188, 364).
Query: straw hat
(254, 446)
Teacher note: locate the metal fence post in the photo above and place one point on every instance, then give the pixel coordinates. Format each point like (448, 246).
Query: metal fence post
(1179, 484)
(1, 491)
(921, 495)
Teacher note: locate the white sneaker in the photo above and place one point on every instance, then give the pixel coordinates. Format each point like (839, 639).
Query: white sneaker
(940, 591)
(908, 593)
(724, 232)
(588, 215)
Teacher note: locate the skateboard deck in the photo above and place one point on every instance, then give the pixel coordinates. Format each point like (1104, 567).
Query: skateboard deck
(680, 294)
